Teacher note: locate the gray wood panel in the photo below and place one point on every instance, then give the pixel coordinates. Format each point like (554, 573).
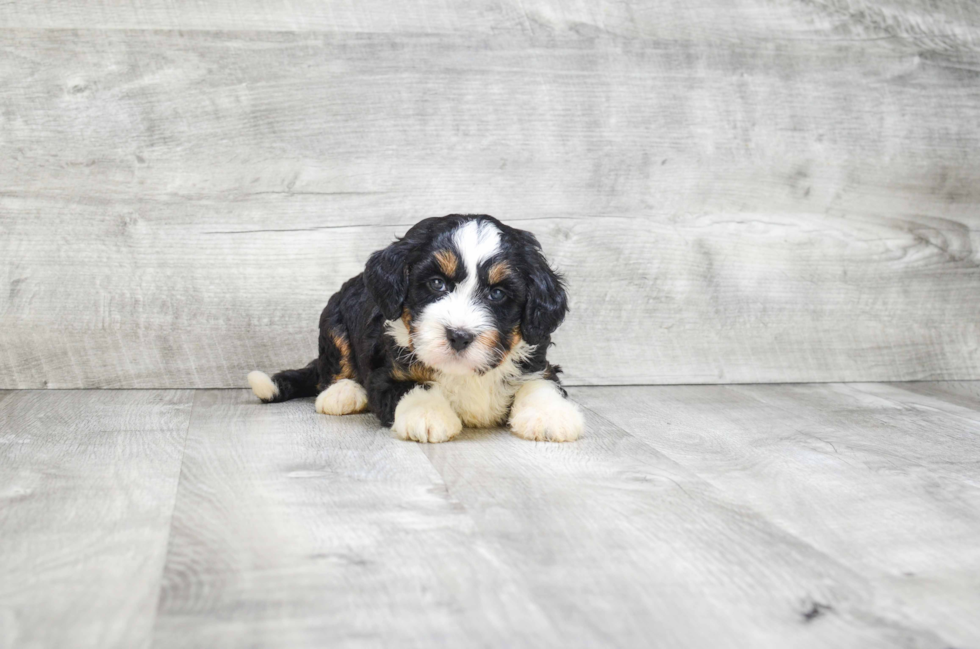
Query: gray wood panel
(753, 191)
(293, 529)
(964, 393)
(747, 516)
(935, 23)
(372, 16)
(881, 482)
(622, 546)
(87, 486)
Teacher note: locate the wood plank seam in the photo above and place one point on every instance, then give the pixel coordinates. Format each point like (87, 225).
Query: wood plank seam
(811, 608)
(170, 525)
(765, 440)
(812, 255)
(966, 414)
(640, 440)
(762, 516)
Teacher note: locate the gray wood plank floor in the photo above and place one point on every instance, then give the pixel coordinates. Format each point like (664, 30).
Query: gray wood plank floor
(738, 516)
(87, 486)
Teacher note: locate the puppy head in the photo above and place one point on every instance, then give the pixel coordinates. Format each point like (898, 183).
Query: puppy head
(463, 291)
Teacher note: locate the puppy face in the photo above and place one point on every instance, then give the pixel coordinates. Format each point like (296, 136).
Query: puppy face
(463, 315)
(461, 291)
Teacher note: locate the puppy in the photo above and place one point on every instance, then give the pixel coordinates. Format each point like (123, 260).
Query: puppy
(447, 327)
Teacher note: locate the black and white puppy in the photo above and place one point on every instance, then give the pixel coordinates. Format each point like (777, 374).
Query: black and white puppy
(446, 327)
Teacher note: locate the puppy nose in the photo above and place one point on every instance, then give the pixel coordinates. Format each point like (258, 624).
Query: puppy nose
(459, 339)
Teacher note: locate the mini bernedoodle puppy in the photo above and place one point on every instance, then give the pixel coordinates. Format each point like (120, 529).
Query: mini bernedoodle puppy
(448, 326)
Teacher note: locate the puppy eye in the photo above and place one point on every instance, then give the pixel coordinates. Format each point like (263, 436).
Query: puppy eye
(437, 284)
(496, 294)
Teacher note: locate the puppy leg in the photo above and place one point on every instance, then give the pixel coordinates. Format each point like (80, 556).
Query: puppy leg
(285, 385)
(342, 398)
(541, 413)
(424, 415)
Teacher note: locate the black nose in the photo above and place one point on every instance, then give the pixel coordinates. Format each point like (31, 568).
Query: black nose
(459, 339)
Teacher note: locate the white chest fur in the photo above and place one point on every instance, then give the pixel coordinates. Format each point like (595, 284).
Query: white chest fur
(480, 400)
(483, 400)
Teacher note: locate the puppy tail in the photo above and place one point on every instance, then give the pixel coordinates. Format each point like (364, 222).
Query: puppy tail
(286, 385)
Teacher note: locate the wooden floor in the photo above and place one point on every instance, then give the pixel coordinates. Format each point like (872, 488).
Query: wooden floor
(843, 515)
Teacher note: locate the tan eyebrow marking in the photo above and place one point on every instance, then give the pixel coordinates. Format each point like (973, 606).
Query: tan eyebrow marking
(447, 262)
(498, 272)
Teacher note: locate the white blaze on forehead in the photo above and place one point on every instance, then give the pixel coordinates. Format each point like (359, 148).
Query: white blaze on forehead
(476, 241)
(461, 308)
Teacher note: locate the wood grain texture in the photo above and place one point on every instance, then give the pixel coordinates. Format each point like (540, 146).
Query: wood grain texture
(751, 191)
(883, 482)
(87, 485)
(937, 23)
(293, 529)
(706, 516)
(964, 393)
(622, 546)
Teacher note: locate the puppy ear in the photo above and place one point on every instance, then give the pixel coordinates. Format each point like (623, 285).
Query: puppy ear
(386, 278)
(386, 273)
(547, 302)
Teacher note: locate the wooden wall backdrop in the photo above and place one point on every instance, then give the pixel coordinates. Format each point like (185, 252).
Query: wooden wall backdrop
(737, 190)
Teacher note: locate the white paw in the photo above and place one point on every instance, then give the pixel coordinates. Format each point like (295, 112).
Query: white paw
(426, 416)
(342, 398)
(262, 385)
(542, 414)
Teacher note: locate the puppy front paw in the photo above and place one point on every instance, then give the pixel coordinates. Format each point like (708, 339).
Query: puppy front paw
(342, 398)
(540, 413)
(425, 416)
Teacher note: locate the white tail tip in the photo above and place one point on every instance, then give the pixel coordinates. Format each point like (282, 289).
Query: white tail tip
(262, 385)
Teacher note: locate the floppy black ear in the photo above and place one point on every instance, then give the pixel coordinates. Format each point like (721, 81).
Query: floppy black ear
(386, 277)
(547, 302)
(386, 273)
